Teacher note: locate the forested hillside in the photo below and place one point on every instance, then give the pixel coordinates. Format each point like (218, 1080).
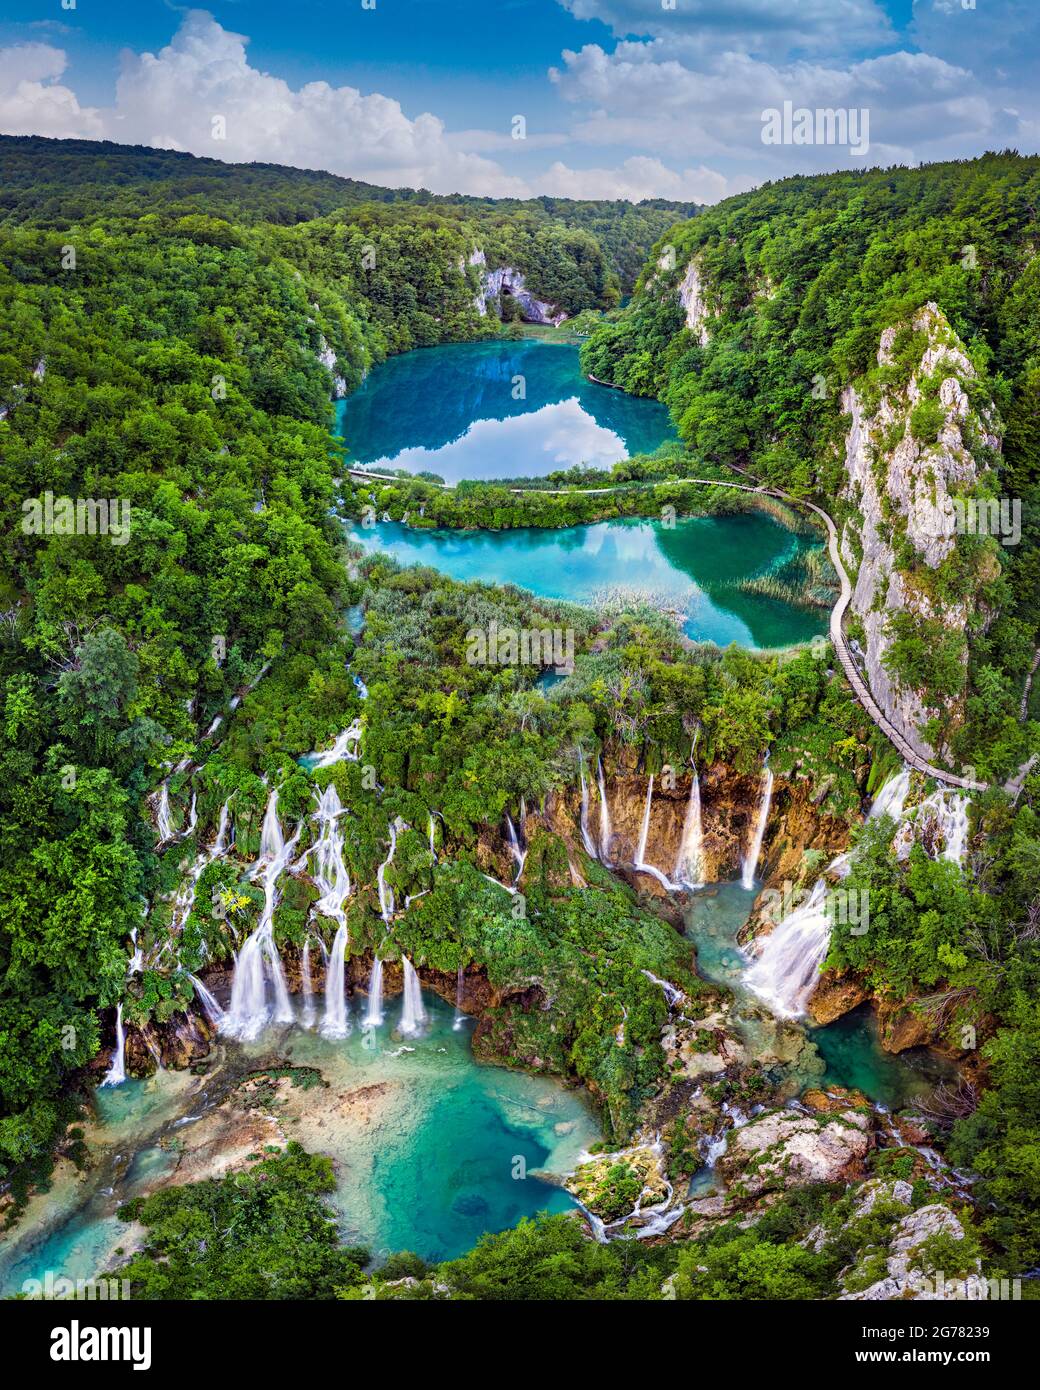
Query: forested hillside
(58, 182)
(752, 318)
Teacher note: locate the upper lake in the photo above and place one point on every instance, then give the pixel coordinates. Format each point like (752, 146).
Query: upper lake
(494, 410)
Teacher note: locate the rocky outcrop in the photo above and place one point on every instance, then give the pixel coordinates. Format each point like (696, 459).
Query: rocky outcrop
(907, 459)
(693, 298)
(838, 993)
(786, 1148)
(509, 282)
(327, 358)
(908, 1271)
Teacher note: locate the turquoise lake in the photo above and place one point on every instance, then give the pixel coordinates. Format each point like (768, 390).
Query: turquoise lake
(694, 567)
(430, 1149)
(494, 410)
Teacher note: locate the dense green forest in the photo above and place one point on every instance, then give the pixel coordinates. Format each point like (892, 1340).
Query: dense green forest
(56, 183)
(165, 338)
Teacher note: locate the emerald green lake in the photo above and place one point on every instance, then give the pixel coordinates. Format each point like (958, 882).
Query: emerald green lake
(494, 410)
(695, 567)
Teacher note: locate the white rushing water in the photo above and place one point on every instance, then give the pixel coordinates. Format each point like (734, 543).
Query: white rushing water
(332, 879)
(343, 750)
(586, 838)
(519, 854)
(258, 967)
(116, 1074)
(386, 893)
(212, 1008)
(787, 971)
(892, 796)
(374, 1012)
(306, 985)
(413, 1011)
(185, 899)
(644, 831)
(604, 815)
(747, 877)
(460, 1017)
(688, 864)
(163, 819)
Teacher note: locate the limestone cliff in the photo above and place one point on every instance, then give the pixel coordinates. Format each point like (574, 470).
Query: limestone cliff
(507, 281)
(693, 297)
(917, 450)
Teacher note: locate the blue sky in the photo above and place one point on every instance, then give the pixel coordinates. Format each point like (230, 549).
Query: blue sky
(619, 97)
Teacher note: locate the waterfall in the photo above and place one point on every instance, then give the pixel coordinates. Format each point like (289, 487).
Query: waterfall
(185, 899)
(433, 850)
(307, 987)
(213, 1011)
(335, 1024)
(640, 860)
(258, 961)
(586, 838)
(604, 816)
(163, 819)
(374, 1013)
(332, 879)
(460, 981)
(193, 815)
(788, 970)
(890, 799)
(341, 749)
(688, 867)
(747, 877)
(413, 1013)
(950, 811)
(386, 893)
(116, 1074)
(645, 828)
(519, 855)
(360, 687)
(672, 993)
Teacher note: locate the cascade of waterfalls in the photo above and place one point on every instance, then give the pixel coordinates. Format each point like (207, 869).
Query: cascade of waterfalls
(116, 1074)
(185, 899)
(341, 750)
(332, 879)
(374, 1012)
(747, 877)
(604, 815)
(258, 963)
(688, 866)
(413, 1012)
(890, 799)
